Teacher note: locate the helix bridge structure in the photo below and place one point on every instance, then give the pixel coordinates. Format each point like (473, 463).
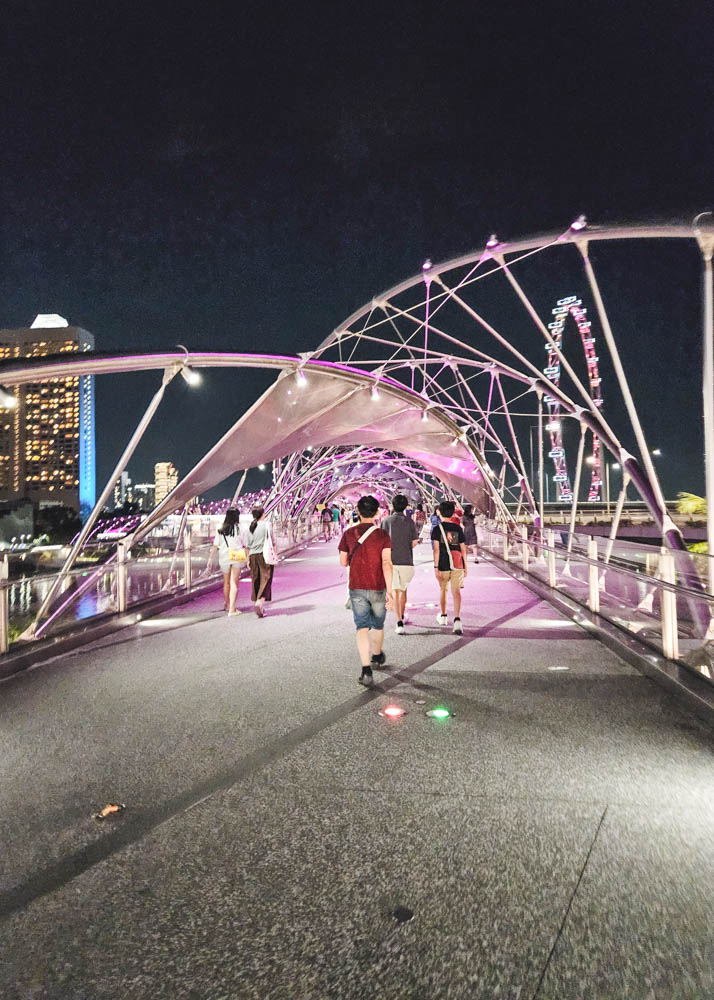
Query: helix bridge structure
(433, 388)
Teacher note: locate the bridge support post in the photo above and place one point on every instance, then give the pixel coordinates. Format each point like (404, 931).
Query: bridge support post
(705, 238)
(593, 577)
(524, 546)
(187, 559)
(4, 605)
(550, 542)
(670, 636)
(505, 542)
(122, 555)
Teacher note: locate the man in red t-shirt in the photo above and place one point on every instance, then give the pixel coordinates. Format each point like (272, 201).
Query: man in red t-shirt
(367, 550)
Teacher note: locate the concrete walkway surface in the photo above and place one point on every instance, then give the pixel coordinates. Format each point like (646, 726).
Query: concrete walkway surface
(282, 840)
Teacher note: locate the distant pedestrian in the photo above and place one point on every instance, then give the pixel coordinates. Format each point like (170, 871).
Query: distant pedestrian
(366, 549)
(261, 572)
(469, 525)
(326, 519)
(404, 534)
(419, 519)
(232, 557)
(435, 518)
(450, 567)
(335, 519)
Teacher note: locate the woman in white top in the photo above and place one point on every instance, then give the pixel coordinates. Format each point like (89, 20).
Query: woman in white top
(228, 539)
(261, 572)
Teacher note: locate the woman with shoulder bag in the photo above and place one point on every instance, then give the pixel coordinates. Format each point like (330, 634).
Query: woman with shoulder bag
(232, 557)
(262, 556)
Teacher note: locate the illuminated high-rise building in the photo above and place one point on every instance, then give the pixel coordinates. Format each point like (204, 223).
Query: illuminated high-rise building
(47, 439)
(122, 490)
(165, 479)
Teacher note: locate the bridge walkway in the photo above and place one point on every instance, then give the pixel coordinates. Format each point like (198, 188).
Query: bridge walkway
(282, 840)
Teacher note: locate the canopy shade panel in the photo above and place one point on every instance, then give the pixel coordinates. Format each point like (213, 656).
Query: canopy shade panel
(333, 405)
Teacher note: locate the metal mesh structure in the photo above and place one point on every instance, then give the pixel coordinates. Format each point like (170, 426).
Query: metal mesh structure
(437, 386)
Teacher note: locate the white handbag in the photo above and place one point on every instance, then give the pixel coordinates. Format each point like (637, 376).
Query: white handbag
(269, 553)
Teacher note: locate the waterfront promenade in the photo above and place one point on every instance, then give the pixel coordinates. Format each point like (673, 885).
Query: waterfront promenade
(282, 840)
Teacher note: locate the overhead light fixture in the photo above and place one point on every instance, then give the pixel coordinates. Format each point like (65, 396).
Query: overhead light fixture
(424, 416)
(554, 425)
(190, 376)
(300, 377)
(261, 466)
(580, 223)
(427, 265)
(375, 392)
(7, 400)
(590, 460)
(492, 241)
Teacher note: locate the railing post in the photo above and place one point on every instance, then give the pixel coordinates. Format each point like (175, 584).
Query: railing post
(593, 577)
(670, 636)
(550, 542)
(524, 546)
(187, 559)
(4, 604)
(121, 575)
(505, 542)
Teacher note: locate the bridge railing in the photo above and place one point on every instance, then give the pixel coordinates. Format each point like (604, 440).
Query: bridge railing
(656, 594)
(164, 564)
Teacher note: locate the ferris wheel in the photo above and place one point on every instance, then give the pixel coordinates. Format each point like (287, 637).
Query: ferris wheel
(571, 306)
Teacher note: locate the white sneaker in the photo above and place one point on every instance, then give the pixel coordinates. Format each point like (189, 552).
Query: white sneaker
(457, 627)
(400, 628)
(442, 620)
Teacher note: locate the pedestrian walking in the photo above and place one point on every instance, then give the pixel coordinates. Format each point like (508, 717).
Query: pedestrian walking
(450, 567)
(405, 535)
(232, 557)
(367, 549)
(469, 525)
(260, 542)
(326, 519)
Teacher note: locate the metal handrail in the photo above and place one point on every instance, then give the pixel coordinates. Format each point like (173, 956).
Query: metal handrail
(572, 557)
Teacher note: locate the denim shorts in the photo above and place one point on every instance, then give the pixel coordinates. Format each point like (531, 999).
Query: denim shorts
(369, 608)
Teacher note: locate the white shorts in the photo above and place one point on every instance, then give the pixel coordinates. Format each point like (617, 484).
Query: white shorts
(402, 576)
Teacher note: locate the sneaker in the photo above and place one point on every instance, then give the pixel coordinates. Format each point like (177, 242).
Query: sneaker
(366, 677)
(457, 627)
(442, 620)
(378, 659)
(400, 628)
(232, 614)
(259, 609)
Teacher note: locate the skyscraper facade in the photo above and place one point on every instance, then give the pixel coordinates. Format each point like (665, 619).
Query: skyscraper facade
(143, 496)
(165, 479)
(47, 440)
(122, 490)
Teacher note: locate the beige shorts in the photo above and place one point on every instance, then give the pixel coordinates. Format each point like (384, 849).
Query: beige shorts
(402, 576)
(453, 576)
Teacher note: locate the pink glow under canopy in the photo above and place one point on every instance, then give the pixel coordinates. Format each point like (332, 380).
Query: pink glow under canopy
(335, 408)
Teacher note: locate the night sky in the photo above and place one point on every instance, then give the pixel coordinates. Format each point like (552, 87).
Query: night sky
(242, 177)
